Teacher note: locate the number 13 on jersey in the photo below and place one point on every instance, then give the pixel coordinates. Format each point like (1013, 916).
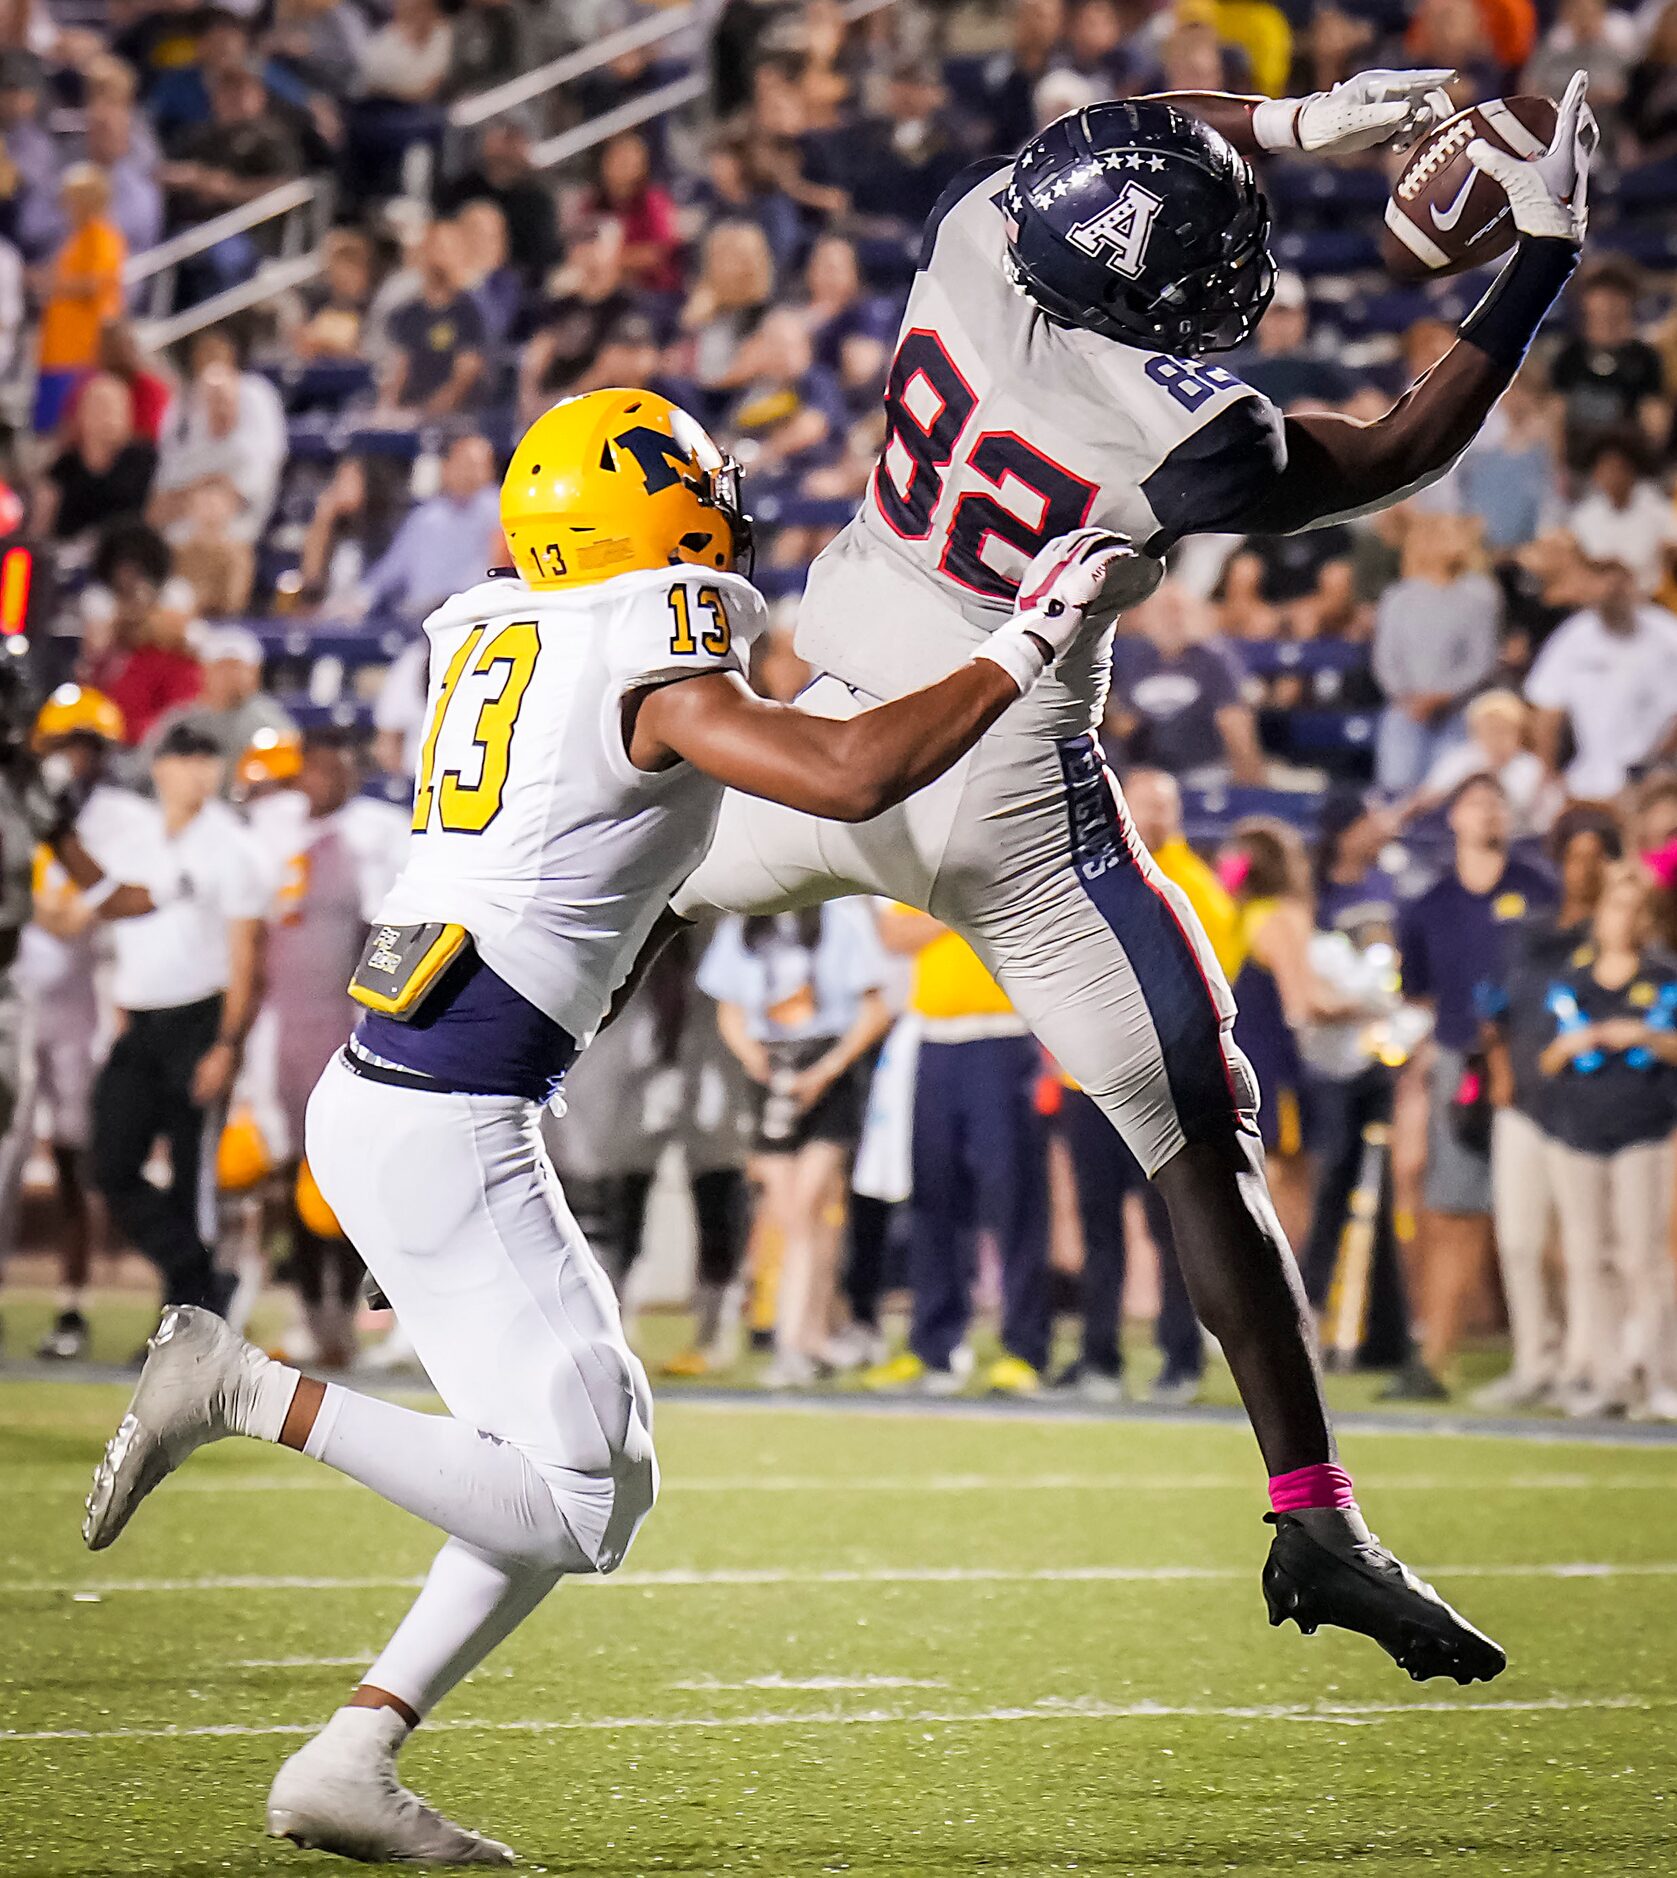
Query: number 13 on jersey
(467, 796)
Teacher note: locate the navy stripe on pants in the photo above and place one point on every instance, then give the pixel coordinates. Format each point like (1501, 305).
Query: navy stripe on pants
(980, 1159)
(1145, 923)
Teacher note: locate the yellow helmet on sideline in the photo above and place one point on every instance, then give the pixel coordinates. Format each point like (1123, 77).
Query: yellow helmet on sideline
(312, 1209)
(614, 481)
(271, 756)
(73, 708)
(242, 1160)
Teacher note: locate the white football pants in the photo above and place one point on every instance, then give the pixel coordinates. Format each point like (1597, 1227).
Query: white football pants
(1026, 849)
(544, 1465)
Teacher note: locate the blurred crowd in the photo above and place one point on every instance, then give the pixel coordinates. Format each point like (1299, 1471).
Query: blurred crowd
(1419, 772)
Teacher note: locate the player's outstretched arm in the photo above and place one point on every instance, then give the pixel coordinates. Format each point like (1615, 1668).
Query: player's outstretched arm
(851, 769)
(1372, 111)
(1336, 466)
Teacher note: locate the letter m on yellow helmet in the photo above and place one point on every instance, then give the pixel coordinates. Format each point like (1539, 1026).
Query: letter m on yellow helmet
(614, 481)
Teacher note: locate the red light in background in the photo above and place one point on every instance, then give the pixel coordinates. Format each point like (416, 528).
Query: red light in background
(17, 572)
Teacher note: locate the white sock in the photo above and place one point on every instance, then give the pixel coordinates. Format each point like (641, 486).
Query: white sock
(365, 1733)
(470, 1603)
(470, 1484)
(261, 1396)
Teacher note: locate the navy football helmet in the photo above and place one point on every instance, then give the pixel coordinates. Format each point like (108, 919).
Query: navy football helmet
(1136, 221)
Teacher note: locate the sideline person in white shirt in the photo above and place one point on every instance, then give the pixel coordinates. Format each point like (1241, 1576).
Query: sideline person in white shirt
(1611, 672)
(187, 982)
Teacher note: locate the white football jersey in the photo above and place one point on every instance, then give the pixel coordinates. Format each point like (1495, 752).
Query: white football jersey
(531, 827)
(1002, 431)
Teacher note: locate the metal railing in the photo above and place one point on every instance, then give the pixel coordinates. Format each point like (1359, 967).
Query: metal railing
(305, 202)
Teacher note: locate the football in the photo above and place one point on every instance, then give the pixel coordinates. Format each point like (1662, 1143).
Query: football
(1444, 217)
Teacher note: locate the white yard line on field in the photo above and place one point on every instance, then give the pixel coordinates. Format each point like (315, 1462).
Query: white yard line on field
(1329, 1714)
(679, 1578)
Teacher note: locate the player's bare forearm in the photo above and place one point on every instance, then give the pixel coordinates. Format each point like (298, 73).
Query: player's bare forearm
(124, 902)
(843, 769)
(1338, 466)
(1230, 116)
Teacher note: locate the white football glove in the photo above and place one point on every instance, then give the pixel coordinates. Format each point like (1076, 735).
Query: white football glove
(1057, 592)
(1547, 195)
(1374, 110)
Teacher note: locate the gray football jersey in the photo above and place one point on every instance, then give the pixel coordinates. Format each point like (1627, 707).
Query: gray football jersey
(1004, 430)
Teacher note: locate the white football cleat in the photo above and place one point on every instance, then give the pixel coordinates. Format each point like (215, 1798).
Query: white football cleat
(340, 1793)
(200, 1382)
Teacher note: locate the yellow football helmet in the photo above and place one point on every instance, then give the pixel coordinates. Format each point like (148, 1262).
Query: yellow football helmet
(242, 1160)
(271, 756)
(73, 708)
(312, 1209)
(614, 481)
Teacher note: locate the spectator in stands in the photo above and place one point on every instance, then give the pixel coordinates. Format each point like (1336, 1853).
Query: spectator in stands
(734, 286)
(784, 407)
(1586, 36)
(31, 189)
(231, 706)
(800, 1005)
(329, 315)
(103, 473)
(317, 43)
(1613, 1101)
(108, 141)
(1435, 645)
(240, 154)
(352, 524)
(1509, 476)
(743, 183)
(84, 289)
(178, 103)
(439, 337)
(212, 442)
(1176, 701)
(995, 99)
(1094, 46)
(624, 192)
(497, 287)
(108, 81)
(136, 624)
(1624, 515)
(894, 167)
(849, 332)
(1649, 114)
(1354, 889)
(1584, 845)
(1498, 726)
(505, 175)
(980, 1160)
(150, 387)
(1297, 586)
(445, 544)
(488, 47)
(1282, 366)
(1454, 947)
(211, 555)
(13, 308)
(1609, 673)
(589, 302)
(628, 355)
(1609, 377)
(407, 58)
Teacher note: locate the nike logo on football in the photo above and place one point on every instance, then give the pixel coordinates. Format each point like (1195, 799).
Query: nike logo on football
(1448, 218)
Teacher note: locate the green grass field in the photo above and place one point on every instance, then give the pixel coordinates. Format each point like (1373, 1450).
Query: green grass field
(865, 1643)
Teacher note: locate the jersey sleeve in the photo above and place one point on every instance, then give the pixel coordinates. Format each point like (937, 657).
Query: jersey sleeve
(692, 623)
(1222, 447)
(992, 170)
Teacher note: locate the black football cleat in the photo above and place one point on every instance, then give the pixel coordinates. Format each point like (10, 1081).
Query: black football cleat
(1365, 1589)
